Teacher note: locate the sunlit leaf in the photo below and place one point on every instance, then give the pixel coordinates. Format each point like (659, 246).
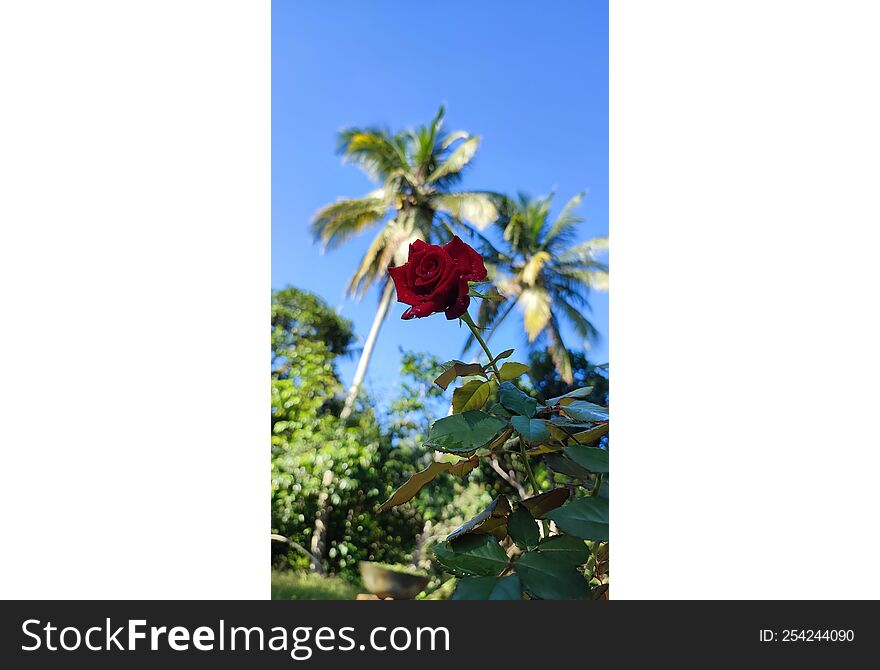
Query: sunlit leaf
(511, 370)
(472, 395)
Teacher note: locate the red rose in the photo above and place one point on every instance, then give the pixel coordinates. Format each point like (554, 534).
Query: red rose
(435, 278)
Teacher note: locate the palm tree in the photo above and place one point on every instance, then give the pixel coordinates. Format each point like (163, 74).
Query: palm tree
(416, 171)
(543, 273)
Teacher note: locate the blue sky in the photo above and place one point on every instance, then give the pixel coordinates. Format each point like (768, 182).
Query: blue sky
(530, 78)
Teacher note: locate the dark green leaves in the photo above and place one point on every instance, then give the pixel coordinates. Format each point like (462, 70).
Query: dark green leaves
(463, 432)
(522, 528)
(591, 458)
(516, 401)
(547, 578)
(564, 465)
(472, 555)
(583, 517)
(565, 549)
(531, 430)
(488, 588)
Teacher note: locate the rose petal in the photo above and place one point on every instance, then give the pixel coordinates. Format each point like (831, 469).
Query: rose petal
(404, 293)
(462, 301)
(469, 262)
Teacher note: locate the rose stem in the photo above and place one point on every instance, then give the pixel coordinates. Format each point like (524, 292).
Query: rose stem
(522, 450)
(476, 331)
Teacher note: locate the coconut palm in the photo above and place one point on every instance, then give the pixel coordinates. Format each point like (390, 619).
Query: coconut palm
(545, 273)
(416, 171)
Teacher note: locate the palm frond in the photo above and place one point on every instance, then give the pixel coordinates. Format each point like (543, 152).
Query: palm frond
(336, 223)
(558, 352)
(374, 150)
(460, 157)
(581, 324)
(594, 276)
(390, 245)
(533, 267)
(584, 252)
(477, 207)
(534, 302)
(566, 220)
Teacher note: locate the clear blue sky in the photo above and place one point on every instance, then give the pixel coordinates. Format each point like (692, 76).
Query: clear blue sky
(530, 78)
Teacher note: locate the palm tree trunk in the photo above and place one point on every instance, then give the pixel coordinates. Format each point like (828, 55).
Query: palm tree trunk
(361, 371)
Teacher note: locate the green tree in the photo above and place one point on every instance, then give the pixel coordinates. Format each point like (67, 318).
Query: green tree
(328, 477)
(543, 272)
(416, 171)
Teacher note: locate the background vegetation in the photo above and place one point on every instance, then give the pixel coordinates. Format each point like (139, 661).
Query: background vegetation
(337, 453)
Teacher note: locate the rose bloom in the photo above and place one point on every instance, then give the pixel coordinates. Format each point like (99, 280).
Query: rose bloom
(435, 278)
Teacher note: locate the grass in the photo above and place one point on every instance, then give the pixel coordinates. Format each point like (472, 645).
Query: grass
(309, 586)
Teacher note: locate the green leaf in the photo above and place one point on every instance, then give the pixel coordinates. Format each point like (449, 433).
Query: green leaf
(539, 505)
(498, 410)
(580, 410)
(583, 517)
(531, 430)
(492, 520)
(512, 370)
(472, 555)
(488, 588)
(565, 549)
(472, 395)
(453, 369)
(522, 527)
(463, 432)
(593, 459)
(516, 401)
(571, 396)
(564, 465)
(549, 579)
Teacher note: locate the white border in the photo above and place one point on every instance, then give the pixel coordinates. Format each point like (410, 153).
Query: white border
(134, 170)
